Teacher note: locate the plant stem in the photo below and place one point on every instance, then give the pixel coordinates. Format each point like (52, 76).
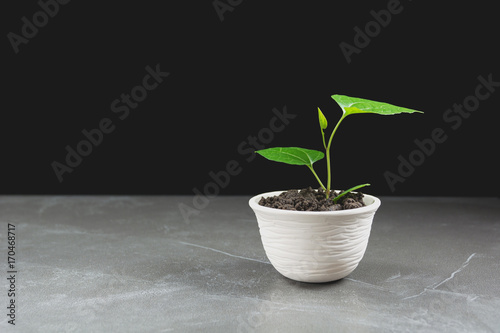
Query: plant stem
(329, 182)
(328, 172)
(347, 191)
(317, 178)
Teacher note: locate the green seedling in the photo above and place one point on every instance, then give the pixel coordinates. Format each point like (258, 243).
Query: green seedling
(307, 157)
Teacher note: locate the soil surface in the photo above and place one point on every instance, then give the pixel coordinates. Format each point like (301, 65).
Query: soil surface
(309, 199)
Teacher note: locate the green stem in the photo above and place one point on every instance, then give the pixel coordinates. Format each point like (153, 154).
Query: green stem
(329, 182)
(328, 172)
(315, 175)
(347, 191)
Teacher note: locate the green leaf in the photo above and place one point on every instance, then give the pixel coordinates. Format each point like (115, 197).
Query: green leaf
(323, 123)
(352, 105)
(292, 155)
(347, 191)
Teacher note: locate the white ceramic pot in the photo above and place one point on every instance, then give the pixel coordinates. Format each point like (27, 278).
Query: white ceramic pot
(315, 246)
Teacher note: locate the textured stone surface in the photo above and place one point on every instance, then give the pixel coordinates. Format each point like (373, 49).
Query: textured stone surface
(134, 264)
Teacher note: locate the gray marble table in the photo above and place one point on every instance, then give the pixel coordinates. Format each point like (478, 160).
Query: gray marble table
(157, 264)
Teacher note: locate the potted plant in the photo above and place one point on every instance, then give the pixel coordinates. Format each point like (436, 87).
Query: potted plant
(318, 235)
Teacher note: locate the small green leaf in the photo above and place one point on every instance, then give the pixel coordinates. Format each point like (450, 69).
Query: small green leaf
(347, 191)
(292, 155)
(352, 105)
(323, 123)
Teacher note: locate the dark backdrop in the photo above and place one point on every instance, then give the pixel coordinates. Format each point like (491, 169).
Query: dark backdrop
(230, 63)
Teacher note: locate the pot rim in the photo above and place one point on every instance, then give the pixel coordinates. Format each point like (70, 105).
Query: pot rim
(254, 204)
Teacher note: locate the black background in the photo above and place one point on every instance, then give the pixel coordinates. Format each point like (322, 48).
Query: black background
(225, 79)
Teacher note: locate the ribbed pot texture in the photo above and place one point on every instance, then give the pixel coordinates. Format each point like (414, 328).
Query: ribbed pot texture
(315, 246)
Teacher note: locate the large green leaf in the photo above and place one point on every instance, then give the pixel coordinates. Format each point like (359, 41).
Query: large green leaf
(352, 105)
(292, 155)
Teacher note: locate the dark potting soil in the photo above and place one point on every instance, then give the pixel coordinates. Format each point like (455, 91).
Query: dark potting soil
(309, 199)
